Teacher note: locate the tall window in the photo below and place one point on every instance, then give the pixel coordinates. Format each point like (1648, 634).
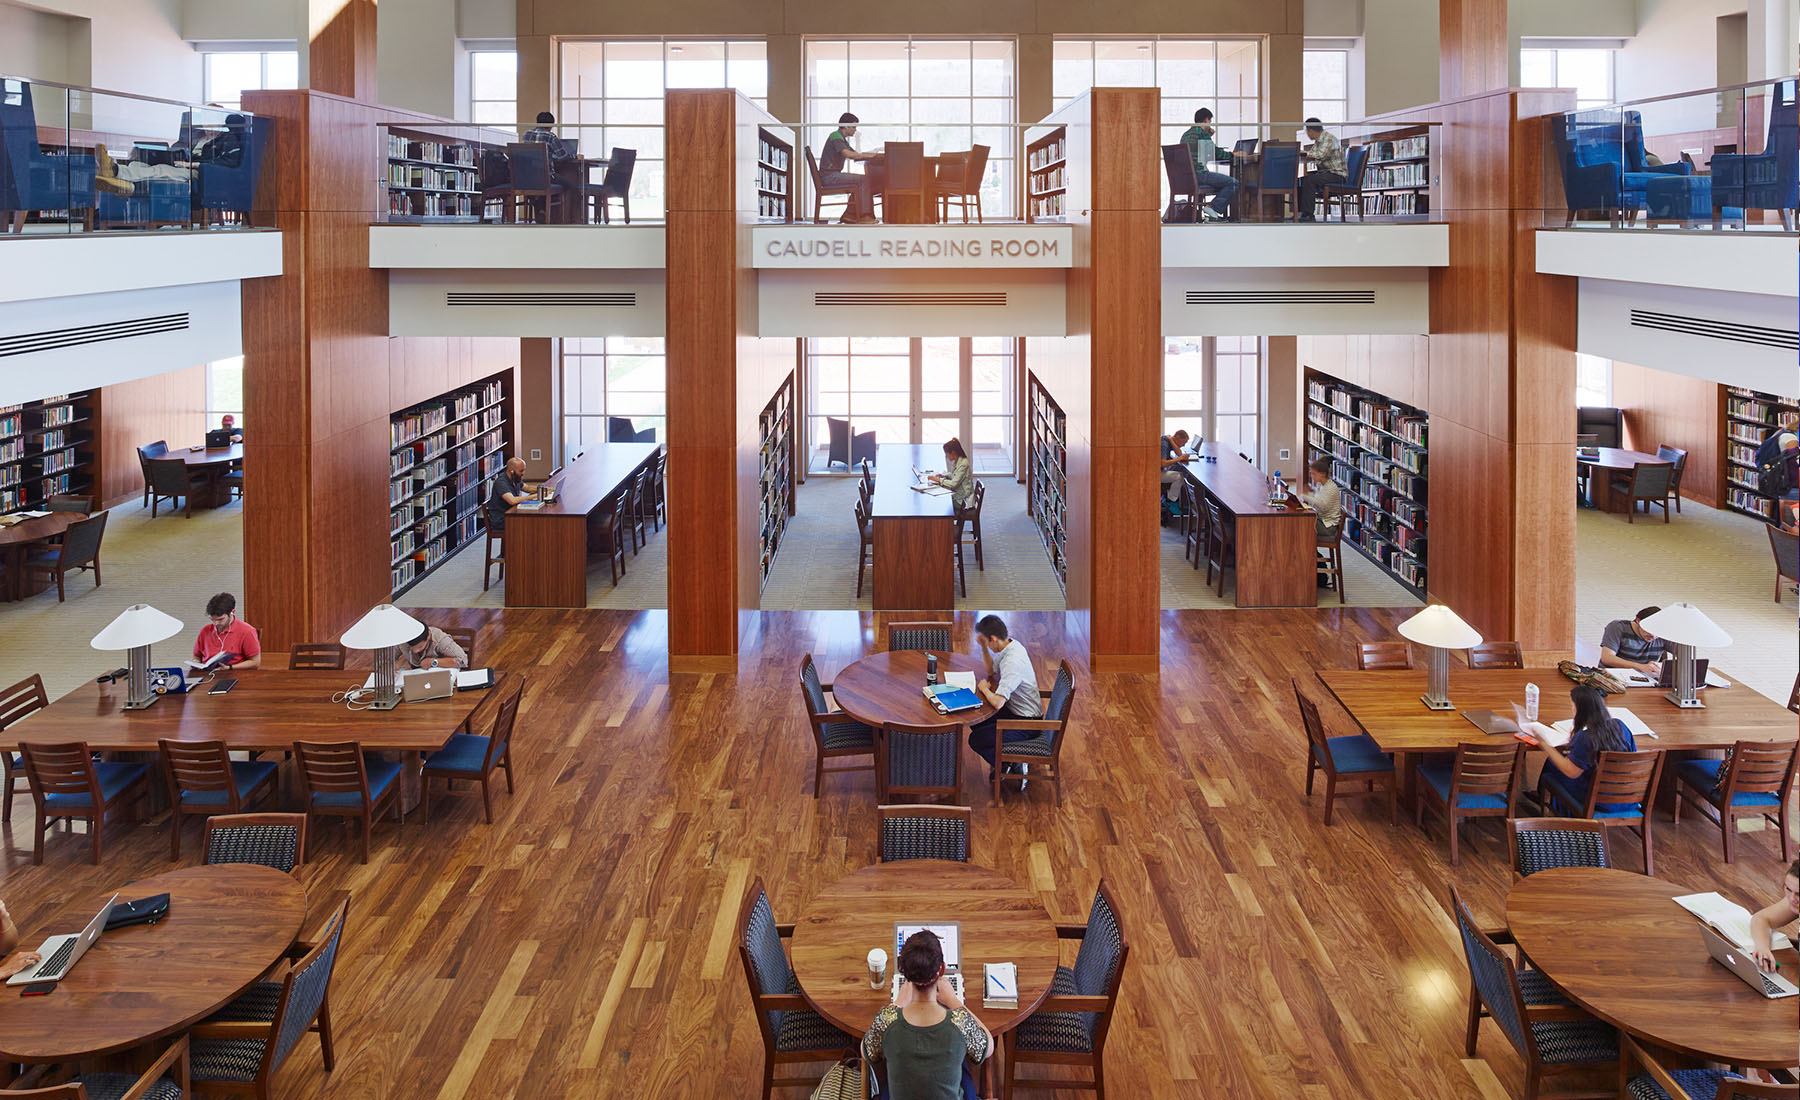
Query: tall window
(612, 96)
(228, 75)
(914, 390)
(1212, 387)
(1588, 71)
(1593, 382)
(949, 94)
(1326, 86)
(494, 87)
(225, 390)
(612, 376)
(1223, 74)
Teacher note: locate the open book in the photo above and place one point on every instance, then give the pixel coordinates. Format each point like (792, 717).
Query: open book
(1730, 919)
(214, 661)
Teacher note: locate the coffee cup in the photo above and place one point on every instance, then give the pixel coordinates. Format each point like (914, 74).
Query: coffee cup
(877, 967)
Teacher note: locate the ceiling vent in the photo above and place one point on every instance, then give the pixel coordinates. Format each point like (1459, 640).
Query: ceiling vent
(27, 343)
(868, 298)
(557, 299)
(1277, 296)
(1717, 330)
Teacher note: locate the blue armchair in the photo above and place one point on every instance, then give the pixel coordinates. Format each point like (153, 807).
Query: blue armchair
(1769, 180)
(232, 188)
(31, 179)
(152, 203)
(1603, 164)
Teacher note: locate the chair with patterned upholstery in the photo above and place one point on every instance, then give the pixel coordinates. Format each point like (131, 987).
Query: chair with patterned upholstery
(1496, 655)
(1383, 656)
(204, 779)
(268, 840)
(1353, 756)
(339, 782)
(1658, 1083)
(835, 734)
(918, 762)
(1069, 1028)
(1483, 781)
(934, 637)
(328, 656)
(1753, 780)
(1541, 843)
(22, 700)
(165, 1079)
(1043, 749)
(68, 783)
(1624, 781)
(238, 1048)
(1551, 1035)
(924, 832)
(791, 1031)
(474, 756)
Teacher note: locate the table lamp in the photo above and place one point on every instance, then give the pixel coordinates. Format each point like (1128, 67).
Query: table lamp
(384, 629)
(137, 628)
(1685, 626)
(1438, 629)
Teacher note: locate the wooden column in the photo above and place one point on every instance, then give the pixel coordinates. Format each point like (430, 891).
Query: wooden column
(341, 48)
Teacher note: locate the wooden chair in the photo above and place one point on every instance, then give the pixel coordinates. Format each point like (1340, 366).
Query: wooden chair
(165, 1077)
(534, 185)
(1703, 1083)
(203, 779)
(1678, 458)
(1194, 530)
(634, 516)
(1383, 656)
(1785, 545)
(1793, 697)
(1647, 484)
(490, 559)
(1070, 1026)
(1043, 749)
(835, 734)
(968, 524)
(473, 756)
(1627, 780)
(1330, 559)
(21, 700)
(820, 194)
(327, 656)
(1496, 655)
(919, 762)
(337, 782)
(924, 832)
(1221, 543)
(79, 549)
(145, 453)
(792, 1032)
(267, 840)
(959, 181)
(615, 184)
(1482, 782)
(67, 783)
(171, 479)
(1753, 780)
(907, 178)
(865, 544)
(1353, 756)
(1540, 843)
(1553, 1037)
(464, 637)
(934, 637)
(238, 1049)
(606, 533)
(70, 502)
(661, 484)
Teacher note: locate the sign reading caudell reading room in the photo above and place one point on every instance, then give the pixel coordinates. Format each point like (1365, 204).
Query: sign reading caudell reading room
(912, 246)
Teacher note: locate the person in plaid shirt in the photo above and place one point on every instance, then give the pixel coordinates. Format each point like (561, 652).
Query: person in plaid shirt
(1326, 155)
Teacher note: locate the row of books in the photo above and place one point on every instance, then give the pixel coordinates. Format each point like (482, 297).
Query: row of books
(11, 475)
(399, 462)
(768, 179)
(12, 450)
(1407, 456)
(431, 204)
(52, 415)
(436, 179)
(1751, 408)
(437, 151)
(1400, 148)
(400, 546)
(1415, 174)
(1749, 500)
(54, 485)
(771, 206)
(1049, 153)
(1395, 202)
(61, 460)
(1053, 180)
(772, 154)
(1743, 433)
(11, 422)
(1409, 426)
(403, 573)
(53, 441)
(1048, 206)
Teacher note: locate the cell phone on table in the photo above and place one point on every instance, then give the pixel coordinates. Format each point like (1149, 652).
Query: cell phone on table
(38, 989)
(220, 687)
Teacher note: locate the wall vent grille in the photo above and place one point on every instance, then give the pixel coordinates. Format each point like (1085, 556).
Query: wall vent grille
(867, 298)
(28, 343)
(1717, 330)
(560, 299)
(1276, 296)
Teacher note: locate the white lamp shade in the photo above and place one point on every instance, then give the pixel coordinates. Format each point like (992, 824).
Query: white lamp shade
(385, 625)
(1685, 624)
(139, 624)
(1439, 626)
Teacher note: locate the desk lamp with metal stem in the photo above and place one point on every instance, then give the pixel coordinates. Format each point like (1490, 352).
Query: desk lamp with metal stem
(1438, 629)
(1685, 626)
(385, 629)
(137, 628)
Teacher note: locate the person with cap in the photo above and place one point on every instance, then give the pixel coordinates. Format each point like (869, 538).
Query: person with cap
(832, 174)
(1325, 156)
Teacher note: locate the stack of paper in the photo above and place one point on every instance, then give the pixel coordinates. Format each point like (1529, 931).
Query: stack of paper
(1636, 725)
(1730, 919)
(1002, 986)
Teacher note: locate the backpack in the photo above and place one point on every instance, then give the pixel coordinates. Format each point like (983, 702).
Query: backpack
(1181, 212)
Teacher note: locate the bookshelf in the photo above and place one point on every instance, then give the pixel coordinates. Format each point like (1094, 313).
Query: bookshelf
(775, 429)
(49, 447)
(441, 453)
(1047, 177)
(1047, 478)
(1377, 451)
(774, 178)
(432, 179)
(1397, 181)
(1749, 415)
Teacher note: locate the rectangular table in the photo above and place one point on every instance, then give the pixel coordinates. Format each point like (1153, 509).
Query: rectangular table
(1276, 544)
(914, 534)
(547, 548)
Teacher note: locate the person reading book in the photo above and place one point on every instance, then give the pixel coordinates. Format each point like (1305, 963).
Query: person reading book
(1011, 686)
(226, 633)
(1595, 731)
(926, 1035)
(1764, 921)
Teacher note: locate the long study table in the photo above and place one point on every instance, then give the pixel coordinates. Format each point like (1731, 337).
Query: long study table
(914, 534)
(547, 545)
(1276, 544)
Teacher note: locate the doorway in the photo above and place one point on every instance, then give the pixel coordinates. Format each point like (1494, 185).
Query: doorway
(918, 389)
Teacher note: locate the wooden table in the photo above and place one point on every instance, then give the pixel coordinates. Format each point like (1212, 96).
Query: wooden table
(16, 542)
(1276, 544)
(1000, 921)
(1615, 943)
(547, 548)
(907, 209)
(915, 533)
(212, 462)
(886, 690)
(226, 926)
(1602, 467)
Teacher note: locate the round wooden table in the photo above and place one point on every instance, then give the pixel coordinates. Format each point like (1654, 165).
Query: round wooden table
(1000, 921)
(226, 926)
(1601, 468)
(214, 462)
(1615, 943)
(887, 690)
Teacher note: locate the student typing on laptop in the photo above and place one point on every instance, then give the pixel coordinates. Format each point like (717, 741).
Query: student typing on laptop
(11, 962)
(1764, 921)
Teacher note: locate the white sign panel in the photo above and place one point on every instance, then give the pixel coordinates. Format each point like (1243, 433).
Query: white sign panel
(840, 247)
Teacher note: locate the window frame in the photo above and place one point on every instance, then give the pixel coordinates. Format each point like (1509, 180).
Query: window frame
(1310, 101)
(512, 122)
(1208, 418)
(206, 75)
(910, 363)
(578, 349)
(214, 409)
(1611, 53)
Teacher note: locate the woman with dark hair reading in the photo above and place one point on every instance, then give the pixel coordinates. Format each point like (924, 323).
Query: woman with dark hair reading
(1596, 731)
(958, 475)
(927, 1035)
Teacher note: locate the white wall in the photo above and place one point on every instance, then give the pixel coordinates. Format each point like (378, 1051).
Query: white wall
(39, 46)
(1577, 19)
(1673, 50)
(131, 46)
(1400, 54)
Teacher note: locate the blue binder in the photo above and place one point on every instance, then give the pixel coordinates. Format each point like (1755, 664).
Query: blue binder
(950, 699)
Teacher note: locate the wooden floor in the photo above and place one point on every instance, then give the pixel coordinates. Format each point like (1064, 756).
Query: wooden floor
(582, 946)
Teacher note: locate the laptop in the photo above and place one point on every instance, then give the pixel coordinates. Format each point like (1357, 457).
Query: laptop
(1668, 672)
(1739, 962)
(1488, 721)
(418, 685)
(61, 953)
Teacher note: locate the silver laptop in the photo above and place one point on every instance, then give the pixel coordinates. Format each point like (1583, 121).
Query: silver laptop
(1488, 721)
(1733, 958)
(418, 685)
(61, 953)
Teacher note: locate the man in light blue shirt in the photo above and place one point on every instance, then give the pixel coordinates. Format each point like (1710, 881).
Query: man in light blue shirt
(1011, 686)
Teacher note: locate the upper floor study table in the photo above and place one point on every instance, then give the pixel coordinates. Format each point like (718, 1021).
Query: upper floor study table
(915, 533)
(547, 546)
(1276, 544)
(16, 541)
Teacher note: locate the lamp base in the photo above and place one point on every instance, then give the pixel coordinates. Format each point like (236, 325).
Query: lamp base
(139, 704)
(384, 702)
(1436, 704)
(1685, 704)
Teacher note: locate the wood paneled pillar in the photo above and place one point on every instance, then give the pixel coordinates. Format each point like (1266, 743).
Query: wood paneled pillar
(341, 48)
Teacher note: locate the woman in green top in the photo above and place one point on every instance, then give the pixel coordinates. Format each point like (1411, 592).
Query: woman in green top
(927, 1036)
(958, 475)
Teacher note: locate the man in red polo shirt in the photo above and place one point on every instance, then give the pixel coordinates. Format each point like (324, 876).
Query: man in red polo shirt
(225, 631)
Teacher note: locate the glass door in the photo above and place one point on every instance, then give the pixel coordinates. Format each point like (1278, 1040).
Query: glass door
(921, 390)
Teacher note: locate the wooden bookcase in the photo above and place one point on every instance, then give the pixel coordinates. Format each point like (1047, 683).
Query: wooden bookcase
(48, 447)
(442, 453)
(774, 181)
(1397, 181)
(1047, 479)
(1047, 177)
(775, 478)
(432, 178)
(1377, 448)
(1749, 416)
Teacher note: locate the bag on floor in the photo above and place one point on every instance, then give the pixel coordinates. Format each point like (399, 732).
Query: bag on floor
(1181, 212)
(843, 1081)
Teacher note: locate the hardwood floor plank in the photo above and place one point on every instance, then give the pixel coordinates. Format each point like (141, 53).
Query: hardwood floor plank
(493, 1021)
(615, 989)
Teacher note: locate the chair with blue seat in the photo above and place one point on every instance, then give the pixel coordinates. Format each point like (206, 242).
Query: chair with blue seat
(1483, 781)
(32, 180)
(1070, 1025)
(17, 702)
(1356, 165)
(338, 782)
(267, 840)
(1043, 748)
(474, 756)
(1642, 1077)
(164, 1079)
(1542, 843)
(792, 1032)
(205, 780)
(924, 832)
(68, 783)
(231, 188)
(1753, 780)
(1551, 1035)
(1278, 178)
(1621, 792)
(1769, 180)
(835, 734)
(1355, 756)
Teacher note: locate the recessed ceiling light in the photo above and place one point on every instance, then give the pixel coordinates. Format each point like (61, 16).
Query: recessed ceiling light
(675, 49)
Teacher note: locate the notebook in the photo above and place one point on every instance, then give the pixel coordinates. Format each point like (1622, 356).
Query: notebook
(948, 698)
(1002, 987)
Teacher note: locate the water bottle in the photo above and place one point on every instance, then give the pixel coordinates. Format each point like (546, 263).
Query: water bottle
(1531, 702)
(931, 676)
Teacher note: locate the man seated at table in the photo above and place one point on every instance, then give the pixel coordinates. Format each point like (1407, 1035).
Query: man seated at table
(1626, 644)
(1174, 455)
(1011, 685)
(227, 633)
(507, 490)
(226, 433)
(863, 185)
(432, 649)
(1199, 142)
(1325, 156)
(565, 167)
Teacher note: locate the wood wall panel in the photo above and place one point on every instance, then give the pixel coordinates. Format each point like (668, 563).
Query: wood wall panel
(341, 59)
(1473, 47)
(1662, 407)
(1543, 541)
(169, 406)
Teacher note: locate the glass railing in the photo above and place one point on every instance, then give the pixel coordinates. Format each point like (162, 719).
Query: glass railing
(77, 160)
(1725, 159)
